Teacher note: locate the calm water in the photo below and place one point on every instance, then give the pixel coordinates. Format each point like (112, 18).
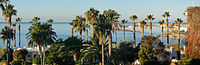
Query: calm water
(63, 30)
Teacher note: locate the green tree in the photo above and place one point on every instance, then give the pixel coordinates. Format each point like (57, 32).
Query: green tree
(19, 20)
(179, 21)
(111, 18)
(80, 25)
(91, 17)
(14, 25)
(143, 23)
(7, 35)
(123, 22)
(150, 18)
(161, 22)
(73, 24)
(133, 18)
(167, 15)
(8, 12)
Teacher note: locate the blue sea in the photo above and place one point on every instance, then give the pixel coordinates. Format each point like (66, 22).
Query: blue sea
(63, 30)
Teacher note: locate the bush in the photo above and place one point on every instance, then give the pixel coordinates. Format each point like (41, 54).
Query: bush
(36, 61)
(18, 62)
(189, 61)
(20, 54)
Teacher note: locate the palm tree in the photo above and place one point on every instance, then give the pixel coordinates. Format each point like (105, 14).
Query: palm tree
(73, 24)
(150, 18)
(80, 25)
(161, 22)
(34, 35)
(134, 17)
(14, 25)
(111, 18)
(143, 23)
(86, 30)
(123, 22)
(8, 12)
(19, 20)
(91, 17)
(179, 21)
(167, 15)
(7, 35)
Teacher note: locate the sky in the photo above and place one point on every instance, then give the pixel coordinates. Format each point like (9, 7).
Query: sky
(66, 10)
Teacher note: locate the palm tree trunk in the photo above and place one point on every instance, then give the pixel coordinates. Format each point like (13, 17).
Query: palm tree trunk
(179, 33)
(80, 35)
(162, 33)
(14, 37)
(44, 46)
(19, 35)
(40, 53)
(142, 30)
(72, 31)
(86, 34)
(102, 53)
(150, 28)
(110, 44)
(9, 20)
(123, 33)
(75, 57)
(7, 52)
(167, 31)
(134, 34)
(115, 33)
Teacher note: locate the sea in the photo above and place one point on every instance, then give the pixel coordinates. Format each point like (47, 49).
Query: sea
(63, 30)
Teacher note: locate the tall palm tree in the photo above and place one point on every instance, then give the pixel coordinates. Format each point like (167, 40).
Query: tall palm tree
(34, 35)
(123, 22)
(161, 22)
(7, 35)
(91, 17)
(8, 12)
(143, 23)
(167, 15)
(134, 17)
(80, 25)
(14, 25)
(19, 20)
(111, 18)
(86, 30)
(150, 18)
(73, 24)
(179, 21)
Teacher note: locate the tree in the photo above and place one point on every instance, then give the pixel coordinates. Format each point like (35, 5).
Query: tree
(133, 18)
(73, 24)
(111, 18)
(8, 12)
(143, 23)
(123, 22)
(91, 17)
(7, 35)
(161, 22)
(80, 25)
(151, 49)
(179, 21)
(150, 18)
(167, 15)
(19, 20)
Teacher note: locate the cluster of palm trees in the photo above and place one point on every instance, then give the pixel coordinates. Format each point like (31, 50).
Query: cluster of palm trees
(41, 35)
(103, 24)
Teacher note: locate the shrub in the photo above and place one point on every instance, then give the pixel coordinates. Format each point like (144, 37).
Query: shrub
(36, 61)
(189, 61)
(18, 62)
(20, 54)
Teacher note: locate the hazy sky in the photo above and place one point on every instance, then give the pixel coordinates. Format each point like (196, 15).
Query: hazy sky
(66, 10)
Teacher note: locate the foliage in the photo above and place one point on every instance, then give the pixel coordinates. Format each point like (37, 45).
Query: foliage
(64, 52)
(3, 53)
(36, 61)
(18, 62)
(189, 61)
(151, 49)
(20, 54)
(124, 53)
